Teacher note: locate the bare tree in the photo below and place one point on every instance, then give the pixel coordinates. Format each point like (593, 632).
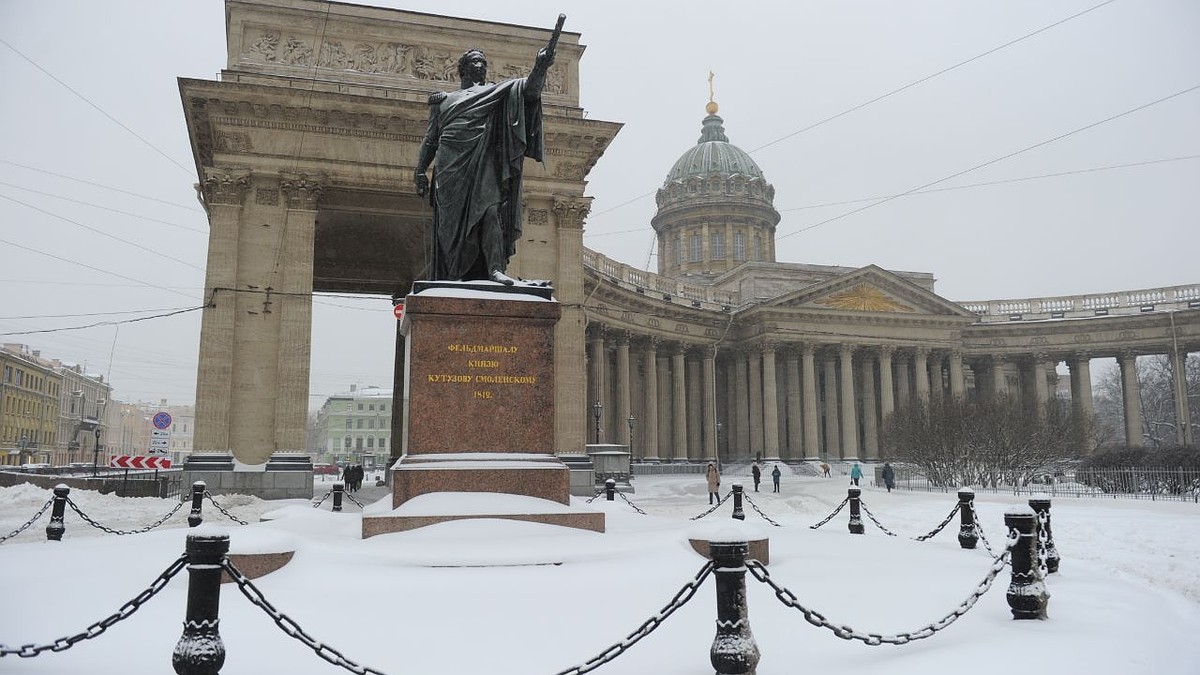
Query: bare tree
(1156, 398)
(959, 442)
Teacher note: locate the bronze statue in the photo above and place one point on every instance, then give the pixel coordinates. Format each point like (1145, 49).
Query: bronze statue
(477, 140)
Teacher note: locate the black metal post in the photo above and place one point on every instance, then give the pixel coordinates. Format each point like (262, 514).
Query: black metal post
(200, 650)
(56, 527)
(338, 488)
(1041, 506)
(1026, 594)
(856, 523)
(596, 410)
(738, 513)
(610, 489)
(734, 651)
(194, 518)
(968, 534)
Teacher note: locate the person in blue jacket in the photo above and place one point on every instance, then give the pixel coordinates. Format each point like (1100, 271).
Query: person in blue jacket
(855, 473)
(775, 474)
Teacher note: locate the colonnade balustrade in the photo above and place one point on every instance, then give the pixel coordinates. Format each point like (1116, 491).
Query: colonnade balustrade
(782, 400)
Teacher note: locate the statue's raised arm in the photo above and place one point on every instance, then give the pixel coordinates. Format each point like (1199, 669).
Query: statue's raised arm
(541, 64)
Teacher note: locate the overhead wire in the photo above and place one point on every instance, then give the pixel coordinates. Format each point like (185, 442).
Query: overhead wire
(104, 208)
(91, 267)
(102, 186)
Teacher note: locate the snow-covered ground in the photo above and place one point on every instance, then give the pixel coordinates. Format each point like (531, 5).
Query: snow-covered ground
(512, 598)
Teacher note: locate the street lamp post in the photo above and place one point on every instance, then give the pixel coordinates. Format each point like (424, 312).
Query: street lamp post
(96, 453)
(22, 444)
(596, 410)
(719, 427)
(631, 421)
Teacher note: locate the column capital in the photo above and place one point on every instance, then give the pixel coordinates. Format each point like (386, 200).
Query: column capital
(887, 351)
(1079, 355)
(768, 346)
(847, 348)
(301, 191)
(227, 187)
(922, 352)
(569, 213)
(623, 337)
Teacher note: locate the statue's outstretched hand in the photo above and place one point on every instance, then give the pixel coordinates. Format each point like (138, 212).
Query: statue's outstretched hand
(544, 59)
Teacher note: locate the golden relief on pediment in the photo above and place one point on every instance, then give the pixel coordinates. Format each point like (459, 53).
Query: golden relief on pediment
(864, 298)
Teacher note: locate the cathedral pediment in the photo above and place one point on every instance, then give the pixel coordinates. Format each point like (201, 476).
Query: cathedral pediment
(870, 289)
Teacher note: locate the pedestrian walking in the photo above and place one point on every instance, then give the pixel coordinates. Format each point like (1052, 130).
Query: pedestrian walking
(855, 473)
(775, 474)
(713, 476)
(756, 472)
(825, 469)
(889, 476)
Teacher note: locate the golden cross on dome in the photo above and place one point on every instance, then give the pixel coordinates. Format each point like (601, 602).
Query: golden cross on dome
(711, 107)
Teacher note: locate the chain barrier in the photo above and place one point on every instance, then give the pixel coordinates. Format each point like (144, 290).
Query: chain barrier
(349, 496)
(759, 571)
(29, 522)
(220, 508)
(593, 498)
(88, 519)
(1042, 548)
(289, 626)
(635, 506)
(681, 598)
(94, 630)
(760, 511)
(934, 532)
(715, 507)
(830, 516)
(875, 520)
(979, 531)
(317, 504)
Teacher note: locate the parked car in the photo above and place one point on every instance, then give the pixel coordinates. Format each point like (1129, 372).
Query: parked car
(326, 469)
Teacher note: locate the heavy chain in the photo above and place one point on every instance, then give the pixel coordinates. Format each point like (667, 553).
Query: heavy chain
(720, 501)
(759, 571)
(874, 519)
(87, 519)
(349, 496)
(289, 626)
(220, 508)
(598, 493)
(323, 498)
(830, 516)
(94, 630)
(681, 598)
(635, 506)
(941, 526)
(986, 545)
(760, 512)
(29, 522)
(1042, 544)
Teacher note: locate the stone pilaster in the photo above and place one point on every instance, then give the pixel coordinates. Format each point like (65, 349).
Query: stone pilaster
(623, 408)
(770, 403)
(679, 399)
(755, 378)
(740, 434)
(571, 411)
(870, 421)
(904, 365)
(812, 447)
(921, 374)
(887, 401)
(709, 418)
(833, 441)
(695, 408)
(958, 381)
(795, 432)
(849, 418)
(1132, 399)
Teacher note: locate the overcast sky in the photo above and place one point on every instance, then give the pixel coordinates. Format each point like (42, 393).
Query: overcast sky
(98, 215)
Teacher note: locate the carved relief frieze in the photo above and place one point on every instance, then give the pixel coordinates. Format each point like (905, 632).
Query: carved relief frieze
(681, 328)
(233, 141)
(1039, 341)
(432, 63)
(266, 196)
(1128, 335)
(569, 170)
(1082, 338)
(864, 298)
(537, 217)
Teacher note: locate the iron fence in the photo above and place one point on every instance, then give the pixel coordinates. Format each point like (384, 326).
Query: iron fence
(1114, 483)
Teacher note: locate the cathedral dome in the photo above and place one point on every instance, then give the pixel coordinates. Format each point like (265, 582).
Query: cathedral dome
(713, 154)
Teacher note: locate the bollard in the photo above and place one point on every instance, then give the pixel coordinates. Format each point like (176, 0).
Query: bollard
(734, 651)
(738, 513)
(856, 523)
(968, 535)
(200, 650)
(56, 528)
(1026, 592)
(338, 489)
(194, 518)
(610, 489)
(1041, 506)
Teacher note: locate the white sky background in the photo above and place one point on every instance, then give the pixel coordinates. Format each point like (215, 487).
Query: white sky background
(781, 67)
(1126, 599)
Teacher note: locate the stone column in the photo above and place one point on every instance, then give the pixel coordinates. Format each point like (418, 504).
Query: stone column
(1133, 400)
(224, 194)
(1183, 414)
(795, 434)
(812, 447)
(958, 382)
(649, 424)
(921, 374)
(934, 377)
(679, 413)
(665, 408)
(754, 383)
(887, 402)
(295, 265)
(623, 409)
(870, 421)
(770, 403)
(572, 410)
(849, 418)
(728, 433)
(740, 435)
(695, 410)
(999, 379)
(709, 418)
(833, 442)
(1038, 368)
(597, 367)
(903, 379)
(1081, 385)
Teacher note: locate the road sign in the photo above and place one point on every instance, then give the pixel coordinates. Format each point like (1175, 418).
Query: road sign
(160, 433)
(398, 310)
(138, 462)
(159, 443)
(162, 420)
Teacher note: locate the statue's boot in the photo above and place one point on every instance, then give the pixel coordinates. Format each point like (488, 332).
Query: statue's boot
(502, 278)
